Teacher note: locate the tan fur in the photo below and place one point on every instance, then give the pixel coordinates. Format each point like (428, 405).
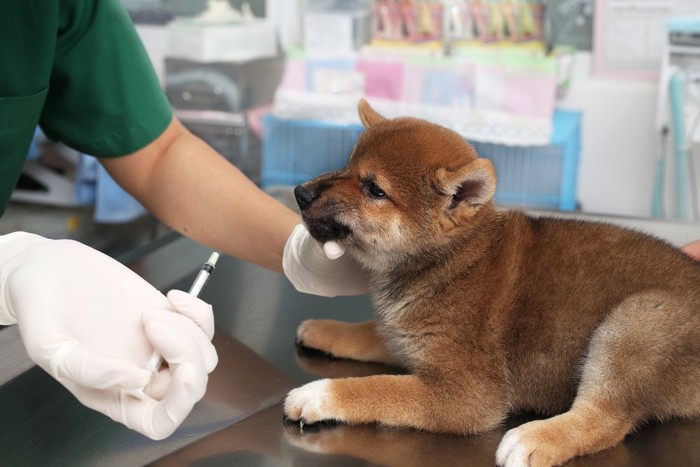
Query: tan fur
(356, 341)
(494, 312)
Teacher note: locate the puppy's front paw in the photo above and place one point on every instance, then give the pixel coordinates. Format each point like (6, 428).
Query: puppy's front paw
(318, 334)
(523, 447)
(511, 452)
(311, 403)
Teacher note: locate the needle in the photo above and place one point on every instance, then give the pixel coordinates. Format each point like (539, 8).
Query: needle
(202, 277)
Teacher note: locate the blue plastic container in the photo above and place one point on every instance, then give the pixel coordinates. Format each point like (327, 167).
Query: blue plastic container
(539, 176)
(294, 151)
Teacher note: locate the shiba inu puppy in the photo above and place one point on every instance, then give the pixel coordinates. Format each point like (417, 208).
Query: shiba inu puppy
(493, 312)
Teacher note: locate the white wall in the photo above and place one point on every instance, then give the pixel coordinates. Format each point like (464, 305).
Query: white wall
(619, 141)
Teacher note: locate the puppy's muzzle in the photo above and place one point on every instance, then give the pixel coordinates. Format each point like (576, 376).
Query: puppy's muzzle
(321, 220)
(304, 196)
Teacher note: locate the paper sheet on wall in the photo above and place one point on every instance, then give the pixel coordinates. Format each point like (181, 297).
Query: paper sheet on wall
(630, 35)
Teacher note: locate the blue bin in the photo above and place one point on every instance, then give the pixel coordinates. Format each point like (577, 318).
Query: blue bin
(539, 176)
(294, 151)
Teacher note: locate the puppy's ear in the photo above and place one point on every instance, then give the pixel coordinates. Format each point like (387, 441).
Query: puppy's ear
(472, 185)
(368, 116)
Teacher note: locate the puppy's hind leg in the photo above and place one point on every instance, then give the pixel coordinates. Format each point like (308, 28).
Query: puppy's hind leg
(588, 427)
(355, 341)
(643, 362)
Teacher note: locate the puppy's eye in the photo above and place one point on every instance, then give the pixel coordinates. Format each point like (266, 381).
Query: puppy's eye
(375, 191)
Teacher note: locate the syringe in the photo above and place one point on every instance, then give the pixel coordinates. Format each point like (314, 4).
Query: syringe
(203, 276)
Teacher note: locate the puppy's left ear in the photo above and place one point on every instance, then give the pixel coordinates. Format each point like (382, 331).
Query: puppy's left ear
(368, 116)
(472, 185)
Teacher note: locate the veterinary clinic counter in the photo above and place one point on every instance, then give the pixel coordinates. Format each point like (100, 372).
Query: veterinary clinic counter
(239, 421)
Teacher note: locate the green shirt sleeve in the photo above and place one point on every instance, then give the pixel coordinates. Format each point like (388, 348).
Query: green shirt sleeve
(104, 97)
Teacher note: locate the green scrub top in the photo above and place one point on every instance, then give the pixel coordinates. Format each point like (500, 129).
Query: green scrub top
(76, 68)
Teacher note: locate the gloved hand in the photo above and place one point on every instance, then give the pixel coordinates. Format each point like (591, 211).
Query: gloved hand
(310, 270)
(92, 324)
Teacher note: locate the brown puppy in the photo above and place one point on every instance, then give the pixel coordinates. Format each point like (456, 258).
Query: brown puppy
(493, 312)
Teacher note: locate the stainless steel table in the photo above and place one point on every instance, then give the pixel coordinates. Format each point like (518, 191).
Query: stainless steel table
(239, 421)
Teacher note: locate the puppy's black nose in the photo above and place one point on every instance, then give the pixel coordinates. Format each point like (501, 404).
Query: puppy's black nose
(304, 196)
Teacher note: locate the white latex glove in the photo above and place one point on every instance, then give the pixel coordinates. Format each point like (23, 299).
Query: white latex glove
(92, 324)
(321, 270)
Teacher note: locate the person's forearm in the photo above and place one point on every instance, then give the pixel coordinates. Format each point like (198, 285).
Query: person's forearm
(194, 190)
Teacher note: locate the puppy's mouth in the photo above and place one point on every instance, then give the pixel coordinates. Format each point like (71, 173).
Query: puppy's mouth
(326, 229)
